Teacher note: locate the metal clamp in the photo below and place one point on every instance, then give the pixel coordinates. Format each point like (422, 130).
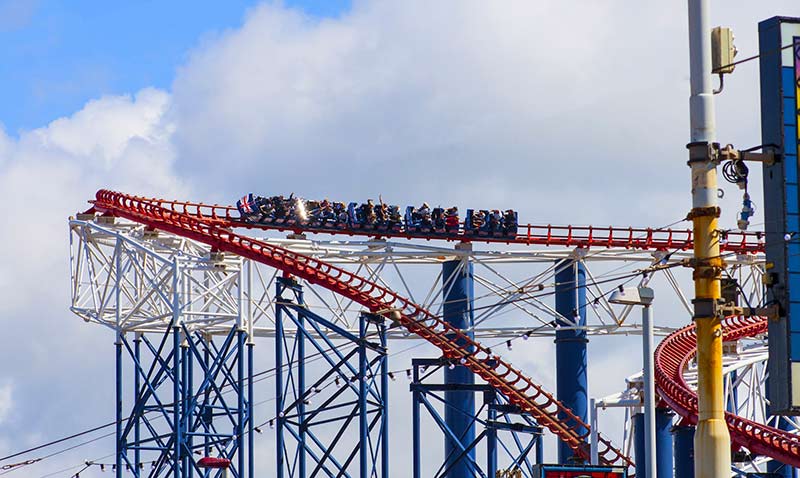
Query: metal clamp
(703, 152)
(710, 211)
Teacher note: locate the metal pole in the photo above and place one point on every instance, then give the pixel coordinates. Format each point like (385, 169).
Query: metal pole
(571, 380)
(301, 386)
(712, 440)
(639, 447)
(240, 410)
(385, 402)
(594, 457)
(664, 450)
(363, 423)
(250, 345)
(684, 450)
(279, 441)
(491, 434)
(649, 393)
(137, 387)
(458, 293)
(250, 423)
(415, 427)
(176, 402)
(120, 448)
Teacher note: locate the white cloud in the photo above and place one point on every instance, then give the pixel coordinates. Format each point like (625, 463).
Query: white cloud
(46, 175)
(6, 401)
(568, 111)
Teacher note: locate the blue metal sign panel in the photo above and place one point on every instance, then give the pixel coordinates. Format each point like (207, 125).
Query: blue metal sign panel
(779, 40)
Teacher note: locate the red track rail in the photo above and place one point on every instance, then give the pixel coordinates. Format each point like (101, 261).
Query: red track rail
(549, 235)
(190, 220)
(671, 357)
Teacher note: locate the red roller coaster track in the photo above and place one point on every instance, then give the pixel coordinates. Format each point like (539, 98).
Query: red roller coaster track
(672, 356)
(454, 344)
(213, 225)
(541, 235)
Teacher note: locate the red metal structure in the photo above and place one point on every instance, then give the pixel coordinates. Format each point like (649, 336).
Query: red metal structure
(540, 235)
(672, 357)
(213, 225)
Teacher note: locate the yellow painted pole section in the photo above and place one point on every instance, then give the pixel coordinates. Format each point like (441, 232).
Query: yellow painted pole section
(712, 440)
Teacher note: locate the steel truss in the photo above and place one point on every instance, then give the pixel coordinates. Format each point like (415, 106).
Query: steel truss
(191, 398)
(218, 285)
(140, 283)
(182, 340)
(350, 389)
(510, 436)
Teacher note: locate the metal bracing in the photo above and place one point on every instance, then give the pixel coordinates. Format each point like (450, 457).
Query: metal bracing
(513, 292)
(318, 408)
(188, 399)
(133, 280)
(511, 439)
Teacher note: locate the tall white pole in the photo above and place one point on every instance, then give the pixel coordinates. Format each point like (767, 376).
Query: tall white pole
(712, 440)
(701, 102)
(649, 392)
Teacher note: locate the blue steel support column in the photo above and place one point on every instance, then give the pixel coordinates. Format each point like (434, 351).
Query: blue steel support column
(664, 450)
(279, 440)
(363, 424)
(137, 389)
(206, 397)
(571, 388)
(540, 447)
(250, 422)
(301, 386)
(491, 435)
(684, 450)
(458, 293)
(120, 446)
(185, 398)
(176, 402)
(240, 412)
(415, 428)
(639, 452)
(385, 409)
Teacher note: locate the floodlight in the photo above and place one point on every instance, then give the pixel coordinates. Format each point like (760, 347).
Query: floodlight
(632, 296)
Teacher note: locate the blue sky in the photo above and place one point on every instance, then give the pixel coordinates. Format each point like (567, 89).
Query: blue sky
(56, 55)
(462, 102)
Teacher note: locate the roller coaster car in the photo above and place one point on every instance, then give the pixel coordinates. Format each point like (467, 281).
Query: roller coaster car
(451, 221)
(438, 220)
(320, 214)
(387, 218)
(360, 217)
(511, 223)
(417, 222)
(477, 223)
(394, 222)
(248, 207)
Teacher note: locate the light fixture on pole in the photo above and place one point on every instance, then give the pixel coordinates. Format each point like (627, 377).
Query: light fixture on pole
(644, 296)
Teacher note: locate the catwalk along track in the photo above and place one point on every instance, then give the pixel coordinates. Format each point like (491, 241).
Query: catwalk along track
(214, 225)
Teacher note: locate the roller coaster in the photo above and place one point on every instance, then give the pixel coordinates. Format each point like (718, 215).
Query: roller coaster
(215, 227)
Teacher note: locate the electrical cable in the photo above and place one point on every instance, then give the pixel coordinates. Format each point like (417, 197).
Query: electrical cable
(751, 58)
(629, 276)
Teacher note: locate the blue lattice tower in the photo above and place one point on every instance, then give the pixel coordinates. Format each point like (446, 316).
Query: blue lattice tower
(331, 417)
(510, 435)
(188, 400)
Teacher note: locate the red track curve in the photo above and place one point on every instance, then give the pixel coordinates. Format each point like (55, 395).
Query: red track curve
(671, 358)
(454, 344)
(665, 239)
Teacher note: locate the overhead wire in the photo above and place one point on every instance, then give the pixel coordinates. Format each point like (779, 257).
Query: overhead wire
(519, 299)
